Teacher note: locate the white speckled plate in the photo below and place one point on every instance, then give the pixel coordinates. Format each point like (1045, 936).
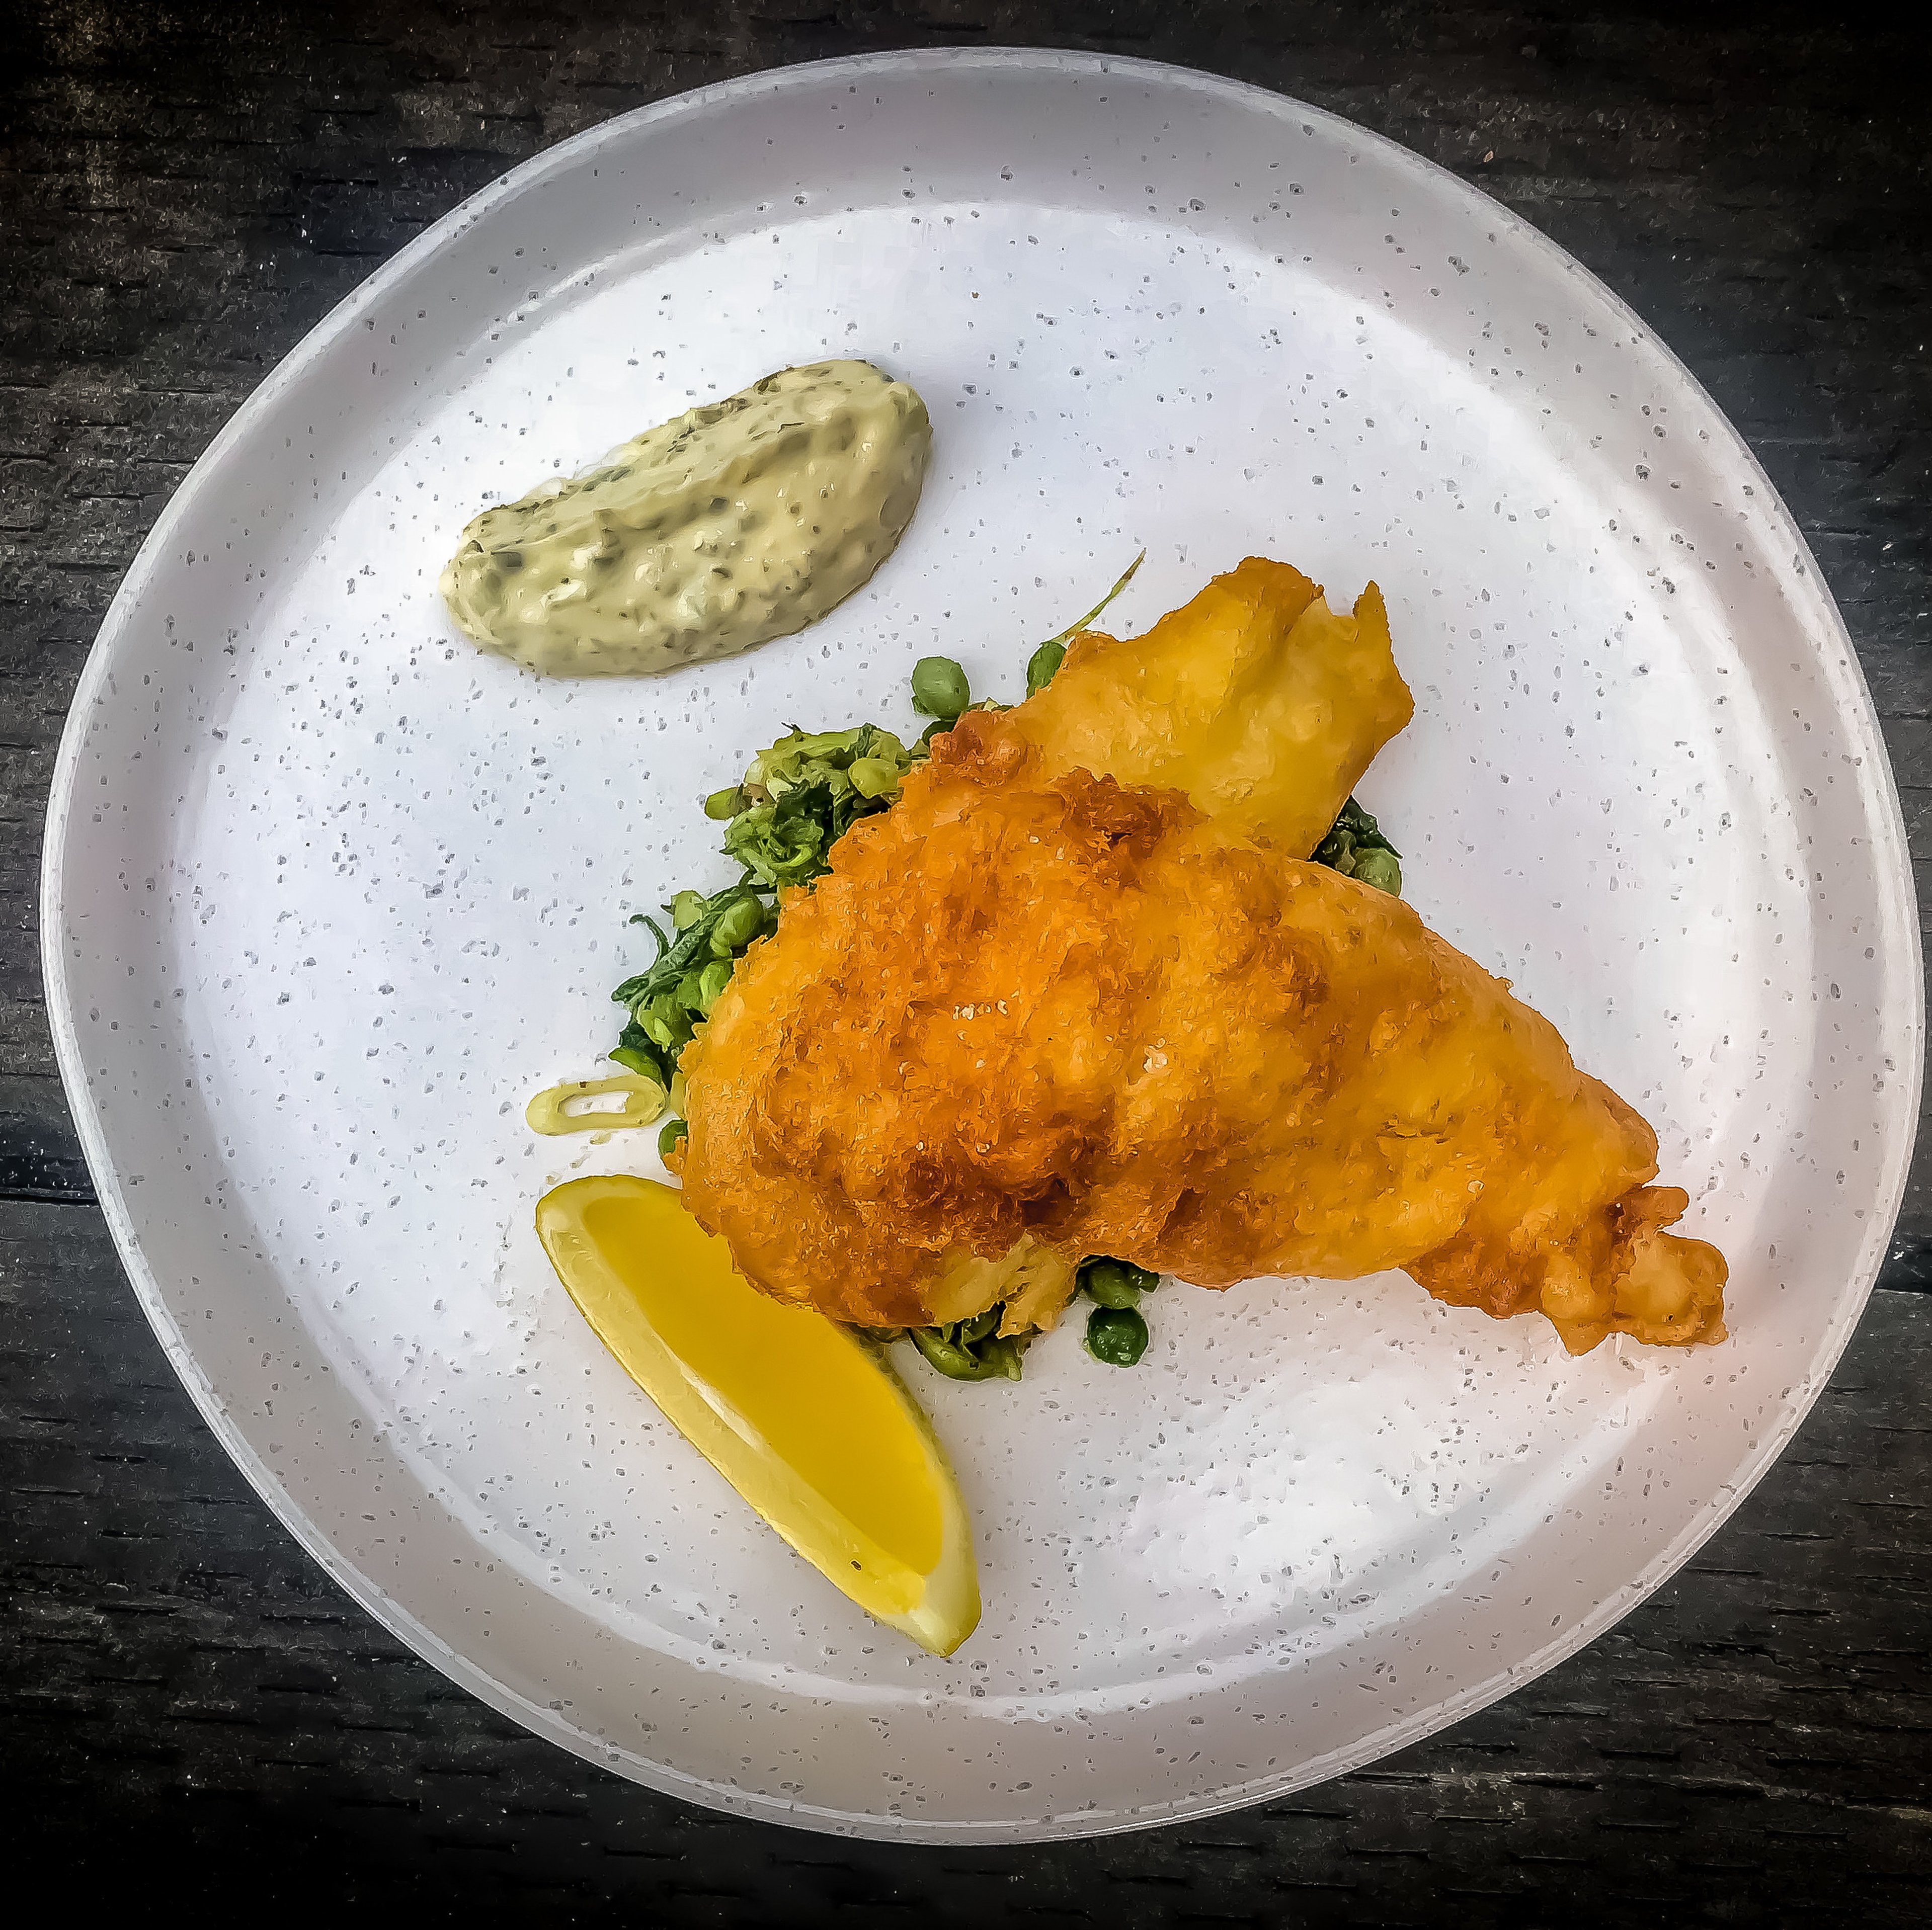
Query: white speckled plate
(327, 894)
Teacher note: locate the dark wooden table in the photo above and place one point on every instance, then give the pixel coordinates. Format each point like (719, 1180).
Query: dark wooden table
(190, 1710)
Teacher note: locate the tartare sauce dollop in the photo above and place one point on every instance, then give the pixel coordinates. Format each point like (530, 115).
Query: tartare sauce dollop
(740, 521)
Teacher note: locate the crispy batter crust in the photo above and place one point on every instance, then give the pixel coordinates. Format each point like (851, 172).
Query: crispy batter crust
(1254, 699)
(1057, 1007)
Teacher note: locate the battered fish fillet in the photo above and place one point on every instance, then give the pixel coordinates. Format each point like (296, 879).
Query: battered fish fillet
(1257, 700)
(1030, 1017)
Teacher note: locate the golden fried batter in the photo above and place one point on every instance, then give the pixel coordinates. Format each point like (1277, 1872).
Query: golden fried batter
(1255, 699)
(1038, 1007)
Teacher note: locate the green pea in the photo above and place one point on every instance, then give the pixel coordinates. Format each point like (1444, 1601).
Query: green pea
(672, 1133)
(1117, 1335)
(724, 803)
(1041, 665)
(1115, 1282)
(1106, 1282)
(686, 908)
(873, 777)
(711, 983)
(939, 687)
(1381, 869)
(736, 927)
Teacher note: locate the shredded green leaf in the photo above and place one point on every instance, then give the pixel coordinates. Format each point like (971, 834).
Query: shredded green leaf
(1356, 848)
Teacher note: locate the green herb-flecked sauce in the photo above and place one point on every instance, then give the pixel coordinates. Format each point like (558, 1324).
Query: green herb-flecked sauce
(741, 521)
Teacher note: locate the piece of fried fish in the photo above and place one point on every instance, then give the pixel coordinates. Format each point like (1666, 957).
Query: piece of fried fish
(1254, 699)
(1033, 1014)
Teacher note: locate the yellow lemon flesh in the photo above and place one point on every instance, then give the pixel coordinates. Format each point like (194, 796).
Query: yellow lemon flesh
(802, 1416)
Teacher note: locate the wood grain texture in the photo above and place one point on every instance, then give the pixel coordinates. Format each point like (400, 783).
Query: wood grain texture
(176, 1672)
(189, 1707)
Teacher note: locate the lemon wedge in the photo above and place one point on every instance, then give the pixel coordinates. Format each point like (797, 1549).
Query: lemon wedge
(802, 1416)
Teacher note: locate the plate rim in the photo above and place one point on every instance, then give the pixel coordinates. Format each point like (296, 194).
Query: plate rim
(1891, 853)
